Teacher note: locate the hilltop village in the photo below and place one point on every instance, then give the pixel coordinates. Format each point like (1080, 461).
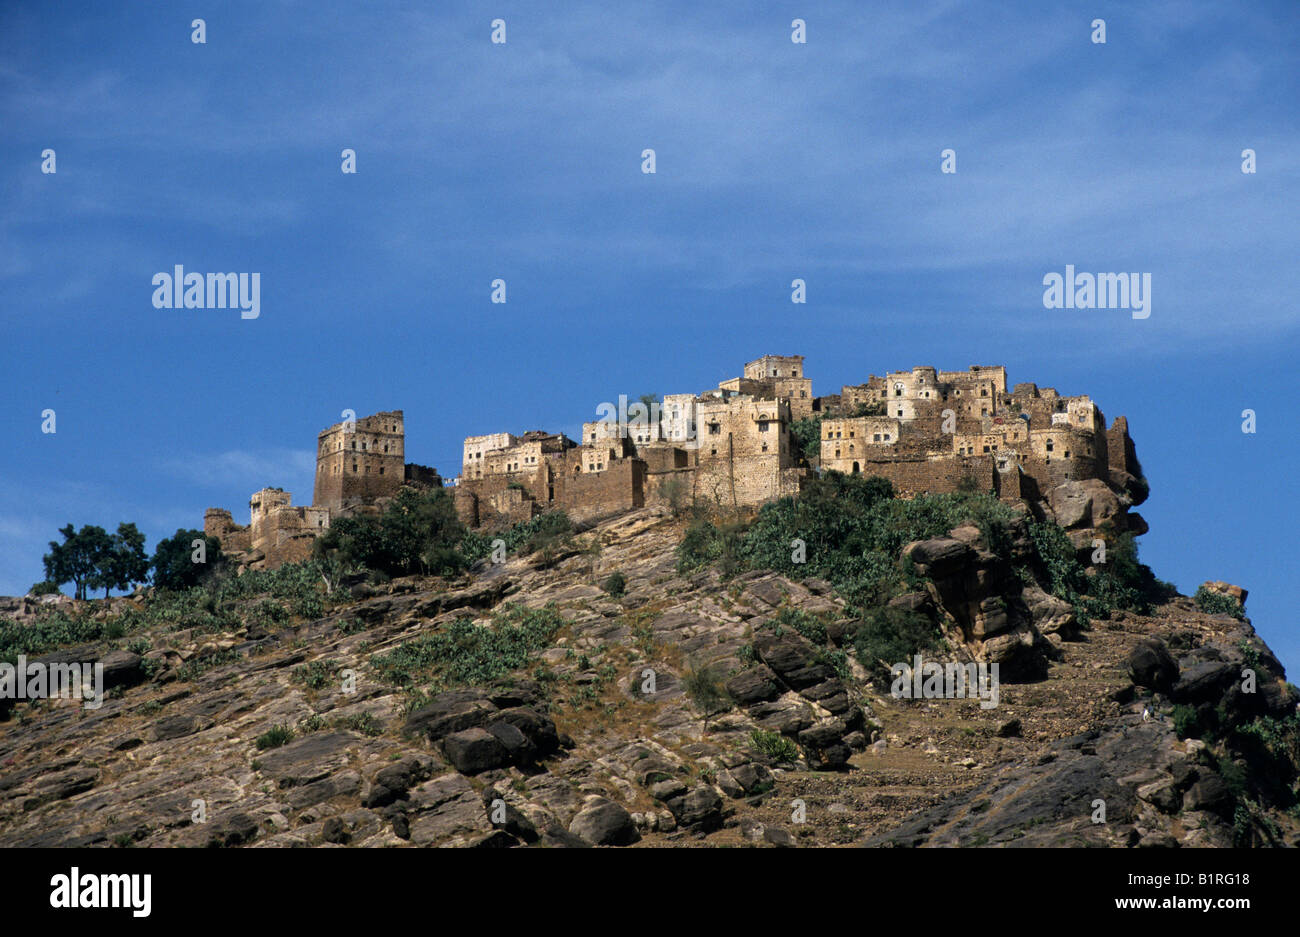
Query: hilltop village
(731, 446)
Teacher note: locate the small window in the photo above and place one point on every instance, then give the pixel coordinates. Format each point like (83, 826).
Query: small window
(875, 438)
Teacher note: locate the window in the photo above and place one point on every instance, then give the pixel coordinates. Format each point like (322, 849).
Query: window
(715, 429)
(986, 448)
(381, 470)
(1049, 445)
(875, 438)
(762, 426)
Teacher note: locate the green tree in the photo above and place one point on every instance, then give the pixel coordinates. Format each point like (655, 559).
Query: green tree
(125, 562)
(807, 437)
(173, 560)
(79, 558)
(654, 416)
(417, 532)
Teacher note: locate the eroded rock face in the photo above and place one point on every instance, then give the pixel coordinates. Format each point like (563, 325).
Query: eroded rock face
(981, 594)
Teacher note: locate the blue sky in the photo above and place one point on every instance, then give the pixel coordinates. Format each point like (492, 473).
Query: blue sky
(522, 161)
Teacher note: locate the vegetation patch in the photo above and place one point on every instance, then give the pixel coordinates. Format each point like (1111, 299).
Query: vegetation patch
(465, 653)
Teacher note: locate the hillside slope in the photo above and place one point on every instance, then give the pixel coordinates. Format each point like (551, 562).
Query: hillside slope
(385, 719)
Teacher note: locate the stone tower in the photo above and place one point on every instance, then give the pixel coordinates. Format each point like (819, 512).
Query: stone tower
(359, 461)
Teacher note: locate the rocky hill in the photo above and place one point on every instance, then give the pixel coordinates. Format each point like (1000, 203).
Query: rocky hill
(533, 701)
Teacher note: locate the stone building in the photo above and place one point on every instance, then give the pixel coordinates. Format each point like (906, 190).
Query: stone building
(359, 465)
(924, 429)
(360, 461)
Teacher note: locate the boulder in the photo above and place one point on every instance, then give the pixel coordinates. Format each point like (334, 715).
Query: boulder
(1151, 665)
(755, 685)
(1210, 793)
(451, 712)
(940, 557)
(538, 729)
(474, 751)
(1051, 615)
(605, 824)
(122, 668)
(699, 809)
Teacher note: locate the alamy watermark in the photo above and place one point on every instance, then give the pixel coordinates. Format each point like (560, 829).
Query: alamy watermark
(932, 680)
(36, 680)
(1098, 291)
(181, 290)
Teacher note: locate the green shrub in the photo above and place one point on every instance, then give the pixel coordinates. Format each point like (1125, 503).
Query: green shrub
(466, 653)
(615, 584)
(195, 667)
(45, 587)
(274, 737)
(1216, 603)
(45, 634)
(546, 531)
(887, 635)
(812, 627)
(365, 723)
(315, 675)
(774, 745)
(805, 437)
(418, 532)
(703, 686)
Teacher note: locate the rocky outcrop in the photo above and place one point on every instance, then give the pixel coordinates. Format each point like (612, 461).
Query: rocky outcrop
(982, 600)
